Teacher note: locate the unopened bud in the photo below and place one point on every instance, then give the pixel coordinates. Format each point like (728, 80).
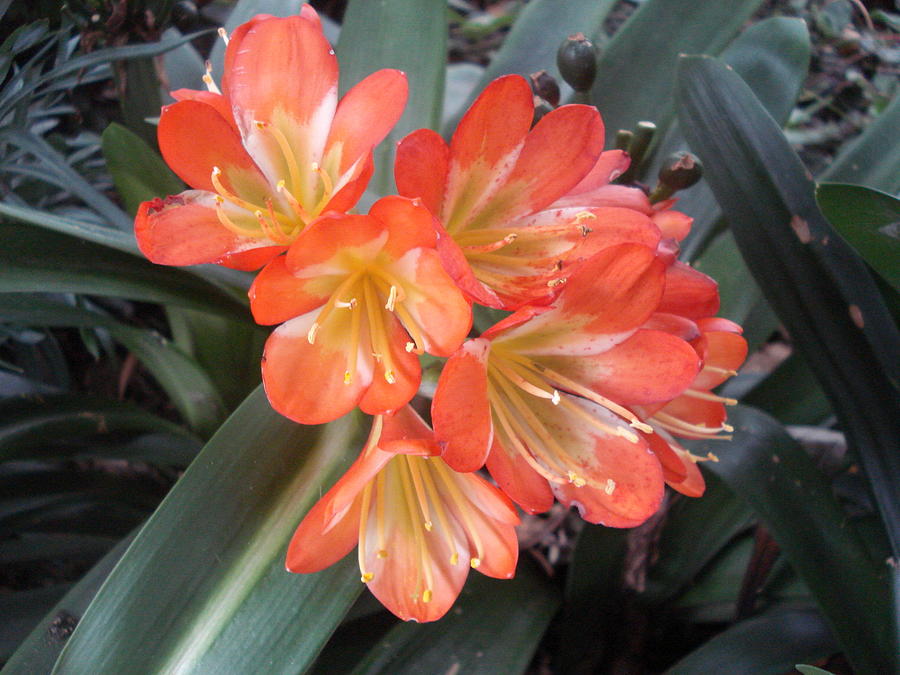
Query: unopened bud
(623, 139)
(680, 171)
(577, 62)
(637, 148)
(544, 85)
(541, 108)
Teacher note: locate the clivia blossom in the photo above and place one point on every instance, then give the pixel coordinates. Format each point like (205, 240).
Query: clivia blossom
(270, 151)
(418, 525)
(543, 396)
(360, 297)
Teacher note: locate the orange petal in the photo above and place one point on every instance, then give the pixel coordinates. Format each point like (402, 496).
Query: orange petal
(409, 224)
(673, 223)
(323, 246)
(609, 166)
(724, 352)
(421, 166)
(454, 261)
(277, 295)
(557, 153)
(673, 324)
(217, 101)
(436, 305)
(347, 196)
(460, 411)
(648, 367)
(365, 115)
(315, 546)
(689, 293)
(185, 230)
(485, 147)
(609, 195)
(612, 225)
(253, 259)
(305, 382)
(383, 396)
(517, 479)
(263, 75)
(194, 138)
(696, 411)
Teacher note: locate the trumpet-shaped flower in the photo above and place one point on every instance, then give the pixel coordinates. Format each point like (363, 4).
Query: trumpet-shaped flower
(698, 412)
(270, 151)
(419, 526)
(490, 189)
(544, 395)
(360, 297)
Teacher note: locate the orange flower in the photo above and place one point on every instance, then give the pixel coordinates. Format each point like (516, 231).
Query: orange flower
(361, 297)
(491, 186)
(419, 526)
(270, 152)
(697, 412)
(543, 395)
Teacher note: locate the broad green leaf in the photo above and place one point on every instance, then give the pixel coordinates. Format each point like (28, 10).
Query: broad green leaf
(36, 425)
(812, 670)
(531, 44)
(205, 576)
(772, 57)
(820, 289)
(739, 294)
(229, 350)
(873, 159)
(21, 610)
(115, 239)
(591, 613)
(769, 644)
(713, 596)
(410, 35)
(184, 381)
(791, 393)
(780, 481)
(695, 531)
(494, 627)
(138, 172)
(36, 260)
(869, 220)
(635, 81)
(140, 95)
(39, 651)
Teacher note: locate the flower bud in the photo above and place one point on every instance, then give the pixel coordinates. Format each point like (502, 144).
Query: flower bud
(544, 85)
(637, 148)
(680, 171)
(577, 62)
(541, 108)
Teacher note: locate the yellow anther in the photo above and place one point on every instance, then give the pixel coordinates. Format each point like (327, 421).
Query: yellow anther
(575, 479)
(223, 34)
(610, 486)
(426, 595)
(475, 563)
(348, 378)
(728, 428)
(208, 79)
(429, 525)
(366, 577)
(555, 399)
(553, 283)
(410, 346)
(381, 554)
(454, 559)
(389, 376)
(641, 426)
(392, 299)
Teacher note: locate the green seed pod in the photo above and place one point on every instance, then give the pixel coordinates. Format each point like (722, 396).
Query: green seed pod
(577, 62)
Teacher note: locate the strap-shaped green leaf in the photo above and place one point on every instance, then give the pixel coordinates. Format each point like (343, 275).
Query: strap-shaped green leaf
(818, 286)
(410, 35)
(766, 645)
(494, 627)
(34, 260)
(766, 467)
(205, 577)
(637, 69)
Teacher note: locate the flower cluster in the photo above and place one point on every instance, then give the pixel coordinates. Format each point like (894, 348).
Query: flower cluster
(607, 356)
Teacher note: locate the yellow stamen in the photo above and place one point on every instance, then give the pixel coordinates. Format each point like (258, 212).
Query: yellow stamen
(281, 139)
(355, 319)
(709, 396)
(327, 187)
(463, 507)
(418, 534)
(208, 79)
(377, 331)
(474, 249)
(223, 34)
(392, 299)
(230, 224)
(443, 521)
(363, 523)
(420, 494)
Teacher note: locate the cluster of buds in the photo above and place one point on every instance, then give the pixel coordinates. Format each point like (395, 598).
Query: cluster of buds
(607, 356)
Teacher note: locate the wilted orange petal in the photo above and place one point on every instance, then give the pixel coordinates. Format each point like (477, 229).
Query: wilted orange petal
(185, 230)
